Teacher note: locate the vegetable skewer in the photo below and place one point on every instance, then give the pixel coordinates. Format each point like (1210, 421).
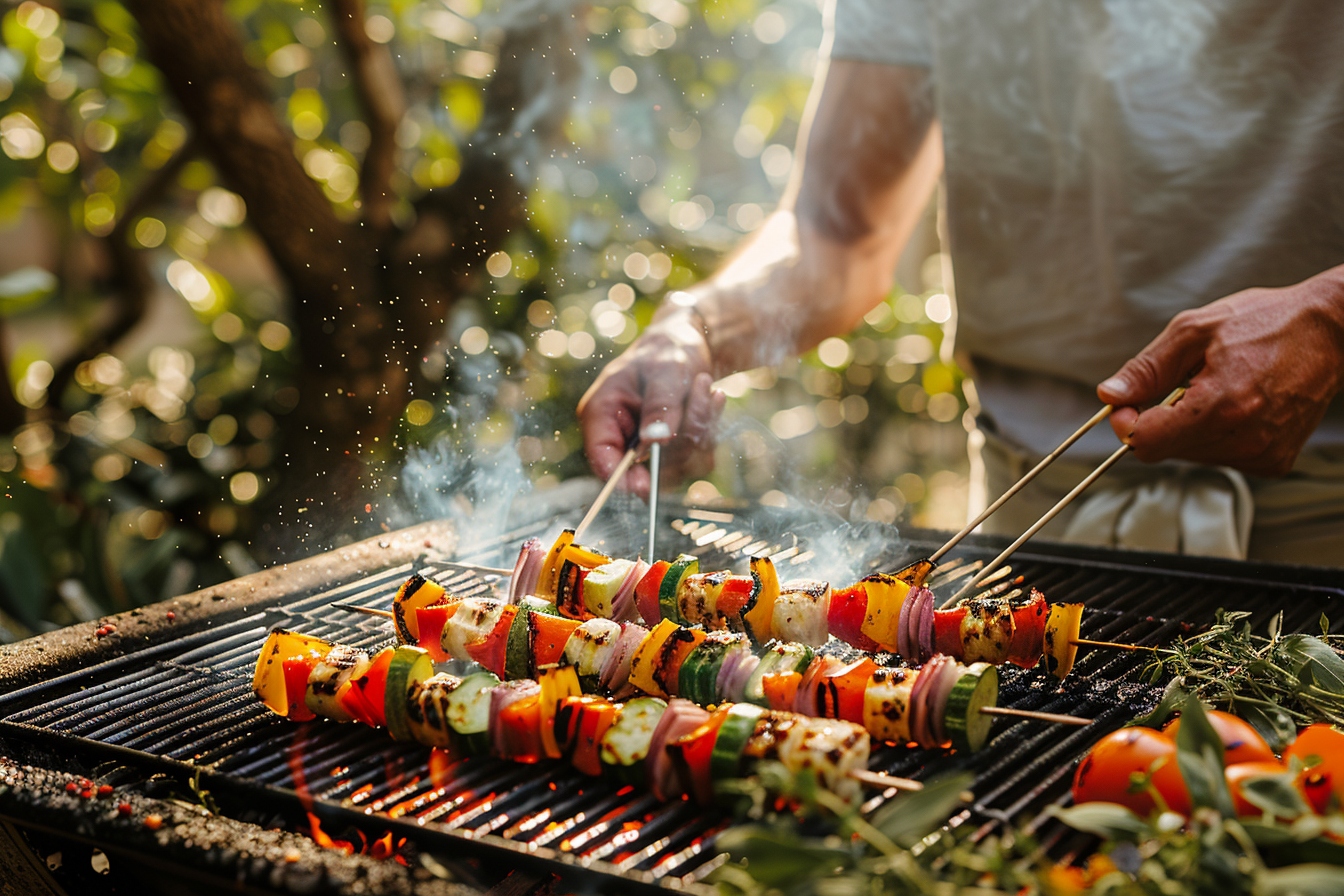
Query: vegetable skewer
(674, 747)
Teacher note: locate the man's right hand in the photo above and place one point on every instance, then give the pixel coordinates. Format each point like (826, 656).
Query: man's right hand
(663, 377)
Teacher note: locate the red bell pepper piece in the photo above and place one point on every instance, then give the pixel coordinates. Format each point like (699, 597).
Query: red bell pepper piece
(947, 632)
(1028, 631)
(646, 592)
(429, 623)
(595, 716)
(781, 688)
(297, 670)
(549, 634)
(353, 702)
(520, 730)
(490, 650)
(734, 596)
(842, 689)
(372, 687)
(849, 606)
(692, 754)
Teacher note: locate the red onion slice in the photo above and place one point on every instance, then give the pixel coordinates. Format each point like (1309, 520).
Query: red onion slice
(502, 696)
(920, 731)
(736, 685)
(728, 668)
(805, 701)
(527, 570)
(924, 622)
(623, 604)
(616, 670)
(679, 719)
(938, 694)
(903, 625)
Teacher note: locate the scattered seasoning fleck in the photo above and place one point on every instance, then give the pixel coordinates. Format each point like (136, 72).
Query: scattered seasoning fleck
(153, 822)
(292, 856)
(105, 790)
(124, 809)
(71, 787)
(87, 793)
(171, 615)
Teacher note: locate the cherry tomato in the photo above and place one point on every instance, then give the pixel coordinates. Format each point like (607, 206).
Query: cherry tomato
(1241, 742)
(1326, 777)
(1104, 773)
(1238, 774)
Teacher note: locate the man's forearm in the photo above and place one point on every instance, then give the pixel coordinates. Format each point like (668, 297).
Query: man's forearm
(868, 159)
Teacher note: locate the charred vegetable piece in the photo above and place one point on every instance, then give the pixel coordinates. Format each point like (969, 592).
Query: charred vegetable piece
(549, 636)
(329, 676)
(800, 612)
(678, 646)
(595, 719)
(947, 631)
(601, 585)
(298, 669)
(886, 705)
(427, 709)
(737, 728)
(550, 567)
(431, 621)
(268, 679)
(645, 661)
(693, 753)
(646, 592)
(684, 566)
(759, 618)
(700, 672)
(735, 599)
(474, 619)
(781, 689)
(408, 666)
(491, 651)
(569, 591)
(881, 621)
(966, 725)
(557, 683)
(698, 599)
(467, 711)
(1029, 615)
(588, 648)
(372, 686)
(849, 607)
(778, 656)
(841, 690)
(987, 631)
(1061, 637)
(625, 746)
(830, 748)
(415, 592)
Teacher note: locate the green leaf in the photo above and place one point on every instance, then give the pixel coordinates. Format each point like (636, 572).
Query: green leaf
(1275, 794)
(1172, 698)
(1109, 820)
(909, 818)
(777, 857)
(1269, 719)
(1314, 661)
(1199, 753)
(1312, 879)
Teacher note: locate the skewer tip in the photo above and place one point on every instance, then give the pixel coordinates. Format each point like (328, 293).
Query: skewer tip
(880, 779)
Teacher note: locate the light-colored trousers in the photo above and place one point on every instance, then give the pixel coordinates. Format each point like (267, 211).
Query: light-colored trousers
(1177, 508)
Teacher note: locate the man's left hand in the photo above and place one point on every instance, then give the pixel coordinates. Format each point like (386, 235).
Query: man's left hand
(1265, 364)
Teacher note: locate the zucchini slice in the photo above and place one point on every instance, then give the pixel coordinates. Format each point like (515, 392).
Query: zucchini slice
(966, 725)
(409, 666)
(625, 745)
(467, 710)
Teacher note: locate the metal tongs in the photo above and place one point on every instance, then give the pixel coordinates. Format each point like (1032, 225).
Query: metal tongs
(648, 439)
(915, 574)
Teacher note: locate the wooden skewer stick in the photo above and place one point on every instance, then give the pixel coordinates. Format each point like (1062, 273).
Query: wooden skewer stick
(1022, 483)
(368, 611)
(477, 567)
(607, 489)
(878, 779)
(1116, 645)
(1033, 714)
(1050, 514)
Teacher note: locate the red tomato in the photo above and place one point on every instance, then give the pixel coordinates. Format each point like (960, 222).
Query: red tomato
(646, 592)
(845, 617)
(1326, 777)
(1104, 774)
(947, 632)
(1241, 742)
(1238, 774)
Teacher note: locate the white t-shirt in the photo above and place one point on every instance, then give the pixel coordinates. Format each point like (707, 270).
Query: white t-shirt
(1109, 163)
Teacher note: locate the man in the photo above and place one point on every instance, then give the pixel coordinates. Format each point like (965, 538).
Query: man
(1138, 193)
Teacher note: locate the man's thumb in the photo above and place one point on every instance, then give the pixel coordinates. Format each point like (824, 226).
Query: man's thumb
(1163, 365)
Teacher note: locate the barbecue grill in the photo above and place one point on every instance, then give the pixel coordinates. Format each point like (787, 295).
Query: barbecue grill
(162, 711)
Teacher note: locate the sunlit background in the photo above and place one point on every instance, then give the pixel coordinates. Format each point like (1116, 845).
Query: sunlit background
(140, 469)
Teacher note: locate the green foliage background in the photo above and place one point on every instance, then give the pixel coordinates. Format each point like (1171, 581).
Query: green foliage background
(147, 475)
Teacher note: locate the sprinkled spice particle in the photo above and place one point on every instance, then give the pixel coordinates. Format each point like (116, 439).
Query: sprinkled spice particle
(153, 822)
(124, 809)
(105, 790)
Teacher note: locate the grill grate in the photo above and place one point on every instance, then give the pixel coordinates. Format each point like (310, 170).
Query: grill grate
(190, 700)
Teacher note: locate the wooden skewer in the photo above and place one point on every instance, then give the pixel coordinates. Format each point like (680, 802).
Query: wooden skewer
(1022, 483)
(1087, 642)
(607, 489)
(477, 567)
(878, 779)
(1050, 514)
(368, 611)
(1033, 714)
